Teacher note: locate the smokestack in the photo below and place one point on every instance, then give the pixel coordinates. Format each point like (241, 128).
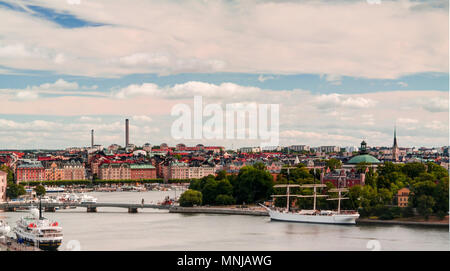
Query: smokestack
(92, 138)
(127, 133)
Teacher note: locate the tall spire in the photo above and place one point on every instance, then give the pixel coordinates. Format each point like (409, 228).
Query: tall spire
(395, 136)
(395, 150)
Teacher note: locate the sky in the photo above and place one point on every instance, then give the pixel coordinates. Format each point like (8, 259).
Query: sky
(341, 71)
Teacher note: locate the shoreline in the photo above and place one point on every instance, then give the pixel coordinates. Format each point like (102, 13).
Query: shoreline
(249, 211)
(217, 210)
(366, 221)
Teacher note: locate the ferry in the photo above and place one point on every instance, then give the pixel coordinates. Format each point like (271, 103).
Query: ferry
(314, 215)
(38, 231)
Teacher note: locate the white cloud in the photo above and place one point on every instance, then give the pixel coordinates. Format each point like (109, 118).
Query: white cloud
(262, 78)
(334, 79)
(277, 37)
(334, 100)
(436, 125)
(407, 121)
(27, 95)
(435, 104)
(59, 84)
(90, 119)
(142, 118)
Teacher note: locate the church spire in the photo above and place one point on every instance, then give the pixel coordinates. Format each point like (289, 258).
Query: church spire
(395, 150)
(395, 136)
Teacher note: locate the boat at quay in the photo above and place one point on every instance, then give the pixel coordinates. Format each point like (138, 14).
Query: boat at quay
(314, 215)
(38, 231)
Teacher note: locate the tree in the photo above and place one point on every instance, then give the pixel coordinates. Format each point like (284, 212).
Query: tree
(334, 163)
(15, 190)
(225, 200)
(414, 169)
(209, 191)
(40, 190)
(253, 185)
(425, 205)
(221, 175)
(190, 198)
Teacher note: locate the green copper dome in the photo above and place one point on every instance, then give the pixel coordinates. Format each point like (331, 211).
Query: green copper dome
(365, 158)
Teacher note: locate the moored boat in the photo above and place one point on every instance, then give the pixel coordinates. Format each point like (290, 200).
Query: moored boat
(38, 231)
(314, 215)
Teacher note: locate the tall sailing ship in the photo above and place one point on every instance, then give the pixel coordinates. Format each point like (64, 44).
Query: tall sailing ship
(38, 231)
(314, 215)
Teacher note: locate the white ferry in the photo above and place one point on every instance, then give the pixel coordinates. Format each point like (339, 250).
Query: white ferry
(38, 231)
(313, 216)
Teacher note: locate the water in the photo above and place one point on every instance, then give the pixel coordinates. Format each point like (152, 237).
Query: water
(116, 229)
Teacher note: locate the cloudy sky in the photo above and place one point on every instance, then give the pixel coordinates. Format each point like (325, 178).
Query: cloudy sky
(341, 71)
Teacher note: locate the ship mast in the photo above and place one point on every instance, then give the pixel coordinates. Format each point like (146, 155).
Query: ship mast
(314, 195)
(339, 198)
(287, 192)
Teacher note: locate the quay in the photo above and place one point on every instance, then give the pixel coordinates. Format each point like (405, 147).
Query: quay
(10, 244)
(218, 210)
(90, 207)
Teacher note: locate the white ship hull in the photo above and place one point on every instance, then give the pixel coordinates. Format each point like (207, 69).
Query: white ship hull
(322, 219)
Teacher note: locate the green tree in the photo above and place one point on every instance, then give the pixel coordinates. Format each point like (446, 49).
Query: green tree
(253, 184)
(190, 198)
(221, 175)
(224, 200)
(414, 169)
(334, 163)
(40, 190)
(209, 191)
(15, 190)
(425, 205)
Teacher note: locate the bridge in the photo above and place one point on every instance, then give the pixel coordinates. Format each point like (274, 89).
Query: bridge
(90, 207)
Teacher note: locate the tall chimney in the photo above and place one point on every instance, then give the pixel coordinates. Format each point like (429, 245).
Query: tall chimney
(92, 138)
(127, 133)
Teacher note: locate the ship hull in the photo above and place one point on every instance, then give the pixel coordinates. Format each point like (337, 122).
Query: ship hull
(50, 245)
(342, 219)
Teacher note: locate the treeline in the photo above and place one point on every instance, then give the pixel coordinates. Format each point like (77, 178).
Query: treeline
(252, 184)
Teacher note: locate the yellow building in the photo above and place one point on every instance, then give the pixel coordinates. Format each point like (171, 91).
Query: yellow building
(403, 197)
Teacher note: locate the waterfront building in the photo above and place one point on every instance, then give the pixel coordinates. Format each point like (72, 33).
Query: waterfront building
(30, 170)
(114, 171)
(3, 184)
(64, 170)
(180, 170)
(403, 197)
(142, 172)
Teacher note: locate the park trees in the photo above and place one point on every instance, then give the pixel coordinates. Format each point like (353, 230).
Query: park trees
(190, 198)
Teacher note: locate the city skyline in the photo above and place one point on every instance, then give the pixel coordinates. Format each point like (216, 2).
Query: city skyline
(337, 81)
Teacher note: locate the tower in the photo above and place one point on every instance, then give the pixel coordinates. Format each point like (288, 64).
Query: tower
(395, 149)
(92, 138)
(127, 135)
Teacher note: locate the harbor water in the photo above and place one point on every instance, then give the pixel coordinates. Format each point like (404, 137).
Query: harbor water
(149, 229)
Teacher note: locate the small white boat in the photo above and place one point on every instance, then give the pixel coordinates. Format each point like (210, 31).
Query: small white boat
(86, 199)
